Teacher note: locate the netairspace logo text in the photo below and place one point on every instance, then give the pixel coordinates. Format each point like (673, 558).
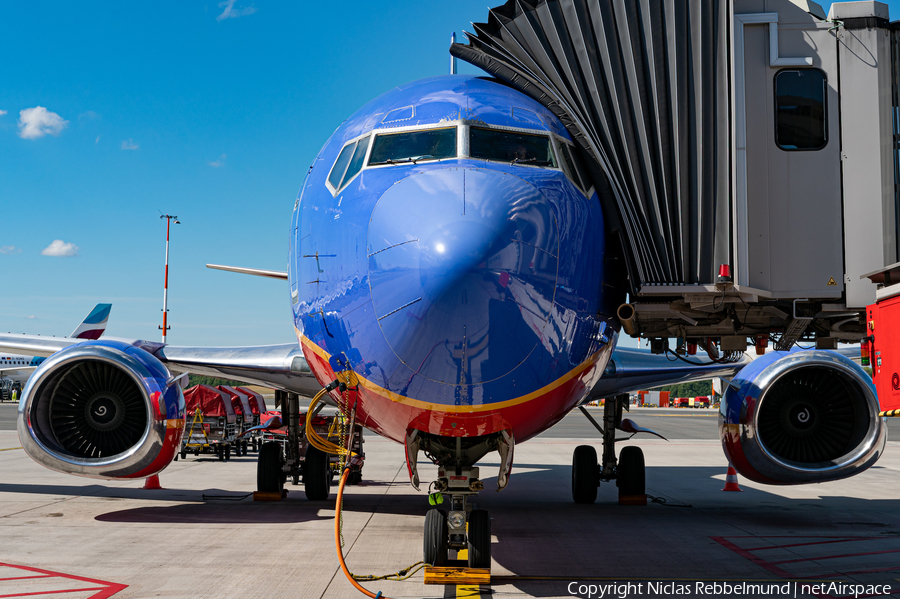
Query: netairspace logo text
(623, 590)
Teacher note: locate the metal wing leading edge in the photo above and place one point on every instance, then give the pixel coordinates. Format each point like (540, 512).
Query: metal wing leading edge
(278, 366)
(633, 369)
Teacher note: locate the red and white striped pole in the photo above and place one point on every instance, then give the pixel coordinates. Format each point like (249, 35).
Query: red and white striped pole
(165, 327)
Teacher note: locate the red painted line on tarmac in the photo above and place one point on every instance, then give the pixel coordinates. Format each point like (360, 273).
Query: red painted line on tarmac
(810, 543)
(107, 589)
(746, 554)
(54, 592)
(821, 557)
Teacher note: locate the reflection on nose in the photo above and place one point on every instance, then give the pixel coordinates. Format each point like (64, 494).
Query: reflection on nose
(462, 268)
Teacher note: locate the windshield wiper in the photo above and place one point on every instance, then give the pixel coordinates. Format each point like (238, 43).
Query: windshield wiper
(412, 159)
(534, 161)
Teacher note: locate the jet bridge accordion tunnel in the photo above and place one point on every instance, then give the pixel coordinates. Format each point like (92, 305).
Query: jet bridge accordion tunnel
(744, 152)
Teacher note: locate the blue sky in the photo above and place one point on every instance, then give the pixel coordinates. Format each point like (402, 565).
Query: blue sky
(170, 108)
(209, 111)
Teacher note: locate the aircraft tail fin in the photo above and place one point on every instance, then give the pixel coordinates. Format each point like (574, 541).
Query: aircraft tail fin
(95, 323)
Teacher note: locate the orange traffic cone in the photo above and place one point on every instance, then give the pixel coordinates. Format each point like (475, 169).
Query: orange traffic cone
(152, 483)
(731, 483)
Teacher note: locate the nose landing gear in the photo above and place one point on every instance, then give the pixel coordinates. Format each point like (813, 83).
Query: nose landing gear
(456, 525)
(461, 527)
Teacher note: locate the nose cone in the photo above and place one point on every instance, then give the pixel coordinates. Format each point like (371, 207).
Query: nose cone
(462, 268)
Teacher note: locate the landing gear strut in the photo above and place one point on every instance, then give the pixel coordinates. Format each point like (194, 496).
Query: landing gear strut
(457, 524)
(627, 471)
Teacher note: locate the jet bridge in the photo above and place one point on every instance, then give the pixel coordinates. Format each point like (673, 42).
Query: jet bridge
(744, 151)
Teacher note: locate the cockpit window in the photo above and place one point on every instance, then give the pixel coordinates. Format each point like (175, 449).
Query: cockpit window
(357, 161)
(574, 167)
(348, 163)
(510, 146)
(340, 166)
(413, 146)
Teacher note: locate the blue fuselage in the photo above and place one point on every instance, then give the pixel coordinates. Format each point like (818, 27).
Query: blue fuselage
(455, 280)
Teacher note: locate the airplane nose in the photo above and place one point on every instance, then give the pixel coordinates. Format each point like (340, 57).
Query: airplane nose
(462, 271)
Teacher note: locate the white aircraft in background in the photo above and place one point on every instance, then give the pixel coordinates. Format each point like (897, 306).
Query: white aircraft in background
(15, 369)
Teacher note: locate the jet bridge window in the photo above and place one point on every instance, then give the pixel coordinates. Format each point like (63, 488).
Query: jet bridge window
(348, 163)
(510, 146)
(800, 122)
(413, 146)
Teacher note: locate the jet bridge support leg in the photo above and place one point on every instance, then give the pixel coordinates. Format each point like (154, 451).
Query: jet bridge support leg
(627, 470)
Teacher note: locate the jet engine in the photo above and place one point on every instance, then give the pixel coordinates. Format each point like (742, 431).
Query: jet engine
(801, 417)
(103, 409)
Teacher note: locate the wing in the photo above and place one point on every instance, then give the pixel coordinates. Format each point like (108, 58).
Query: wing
(277, 366)
(633, 369)
(16, 370)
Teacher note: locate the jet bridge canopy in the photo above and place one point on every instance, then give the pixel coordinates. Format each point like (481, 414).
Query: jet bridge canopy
(751, 136)
(643, 88)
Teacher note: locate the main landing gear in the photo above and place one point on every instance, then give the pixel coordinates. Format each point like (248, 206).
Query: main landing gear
(627, 471)
(458, 525)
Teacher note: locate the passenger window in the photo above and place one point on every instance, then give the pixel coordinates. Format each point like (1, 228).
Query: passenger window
(413, 146)
(512, 147)
(337, 171)
(800, 110)
(356, 163)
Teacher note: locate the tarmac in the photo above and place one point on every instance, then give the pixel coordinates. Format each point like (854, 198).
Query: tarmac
(203, 536)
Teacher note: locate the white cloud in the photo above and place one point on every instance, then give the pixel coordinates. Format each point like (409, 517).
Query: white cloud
(2, 112)
(38, 122)
(217, 163)
(60, 248)
(31, 317)
(128, 144)
(230, 12)
(96, 141)
(9, 249)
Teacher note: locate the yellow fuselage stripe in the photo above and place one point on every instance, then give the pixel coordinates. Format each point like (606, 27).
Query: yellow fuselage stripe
(425, 405)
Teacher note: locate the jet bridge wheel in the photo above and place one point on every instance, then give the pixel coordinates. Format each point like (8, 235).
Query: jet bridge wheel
(316, 475)
(480, 539)
(435, 538)
(630, 477)
(585, 474)
(269, 476)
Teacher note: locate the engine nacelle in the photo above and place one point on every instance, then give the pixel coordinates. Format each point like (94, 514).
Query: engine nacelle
(801, 417)
(102, 409)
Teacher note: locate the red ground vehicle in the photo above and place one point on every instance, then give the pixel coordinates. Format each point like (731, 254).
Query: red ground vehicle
(210, 422)
(681, 402)
(701, 402)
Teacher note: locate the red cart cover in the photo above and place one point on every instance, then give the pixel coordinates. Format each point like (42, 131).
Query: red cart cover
(257, 403)
(239, 400)
(211, 401)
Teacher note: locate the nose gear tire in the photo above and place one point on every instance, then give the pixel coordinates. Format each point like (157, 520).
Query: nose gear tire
(479, 539)
(434, 549)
